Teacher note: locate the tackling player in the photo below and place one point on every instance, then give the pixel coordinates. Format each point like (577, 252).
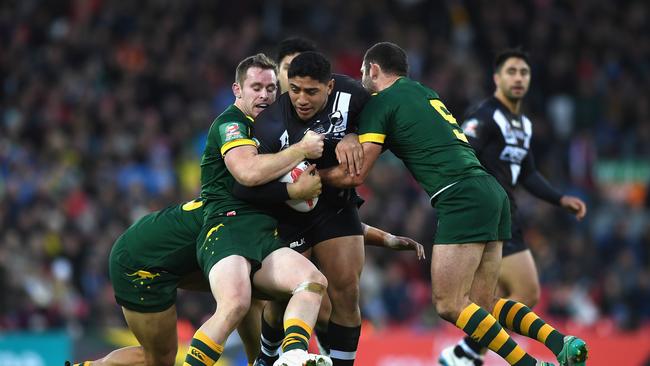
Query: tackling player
(157, 255)
(239, 243)
(473, 209)
(501, 136)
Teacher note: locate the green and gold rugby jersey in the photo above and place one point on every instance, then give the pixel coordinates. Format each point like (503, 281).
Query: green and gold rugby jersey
(230, 129)
(410, 120)
(164, 240)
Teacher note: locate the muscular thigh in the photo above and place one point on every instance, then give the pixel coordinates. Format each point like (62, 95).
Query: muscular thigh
(156, 332)
(453, 267)
(281, 272)
(340, 259)
(485, 280)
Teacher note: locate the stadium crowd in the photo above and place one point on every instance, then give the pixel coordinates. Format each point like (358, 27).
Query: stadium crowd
(105, 105)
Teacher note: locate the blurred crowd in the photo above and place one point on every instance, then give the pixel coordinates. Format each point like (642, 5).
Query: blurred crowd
(105, 105)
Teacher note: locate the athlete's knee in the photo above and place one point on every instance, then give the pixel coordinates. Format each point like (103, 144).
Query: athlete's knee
(447, 307)
(235, 307)
(344, 292)
(316, 283)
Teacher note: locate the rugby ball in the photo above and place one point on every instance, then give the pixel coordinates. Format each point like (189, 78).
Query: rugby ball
(292, 176)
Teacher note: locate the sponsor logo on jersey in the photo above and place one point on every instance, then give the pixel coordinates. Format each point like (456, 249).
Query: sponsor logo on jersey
(513, 154)
(284, 140)
(232, 131)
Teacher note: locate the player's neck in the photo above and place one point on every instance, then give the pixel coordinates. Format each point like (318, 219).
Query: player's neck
(514, 106)
(386, 81)
(240, 105)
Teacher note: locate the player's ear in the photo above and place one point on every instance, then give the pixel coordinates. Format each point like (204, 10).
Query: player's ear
(236, 90)
(330, 86)
(374, 71)
(495, 78)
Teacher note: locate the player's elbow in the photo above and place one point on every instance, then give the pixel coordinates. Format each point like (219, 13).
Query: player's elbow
(250, 179)
(247, 177)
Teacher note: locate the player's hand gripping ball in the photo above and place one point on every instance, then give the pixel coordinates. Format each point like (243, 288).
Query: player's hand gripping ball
(291, 177)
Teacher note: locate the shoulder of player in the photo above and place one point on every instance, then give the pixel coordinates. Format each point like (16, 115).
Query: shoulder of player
(347, 84)
(232, 115)
(483, 111)
(270, 120)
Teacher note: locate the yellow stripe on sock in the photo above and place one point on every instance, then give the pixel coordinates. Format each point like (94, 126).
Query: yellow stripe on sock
(527, 321)
(516, 355)
(289, 342)
(483, 327)
(466, 314)
(498, 341)
(297, 322)
(511, 314)
(199, 355)
(298, 335)
(497, 308)
(543, 333)
(209, 342)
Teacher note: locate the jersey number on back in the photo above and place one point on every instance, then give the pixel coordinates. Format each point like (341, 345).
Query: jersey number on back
(442, 110)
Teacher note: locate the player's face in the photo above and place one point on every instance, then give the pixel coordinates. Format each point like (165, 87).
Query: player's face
(284, 71)
(366, 79)
(513, 79)
(257, 92)
(308, 96)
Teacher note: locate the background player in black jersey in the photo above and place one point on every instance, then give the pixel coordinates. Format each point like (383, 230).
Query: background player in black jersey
(327, 104)
(501, 136)
(288, 49)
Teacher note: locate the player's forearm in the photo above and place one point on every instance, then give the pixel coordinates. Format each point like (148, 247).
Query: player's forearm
(540, 188)
(339, 177)
(374, 236)
(263, 168)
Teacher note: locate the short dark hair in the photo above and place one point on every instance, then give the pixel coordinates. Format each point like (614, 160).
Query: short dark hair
(504, 55)
(312, 64)
(260, 60)
(389, 56)
(289, 46)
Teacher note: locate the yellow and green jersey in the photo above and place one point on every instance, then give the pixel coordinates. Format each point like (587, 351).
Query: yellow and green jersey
(230, 129)
(410, 120)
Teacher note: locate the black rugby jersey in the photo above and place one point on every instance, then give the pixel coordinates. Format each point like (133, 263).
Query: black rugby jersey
(502, 141)
(278, 127)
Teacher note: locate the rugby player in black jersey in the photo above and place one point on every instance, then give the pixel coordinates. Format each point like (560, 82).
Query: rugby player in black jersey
(328, 104)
